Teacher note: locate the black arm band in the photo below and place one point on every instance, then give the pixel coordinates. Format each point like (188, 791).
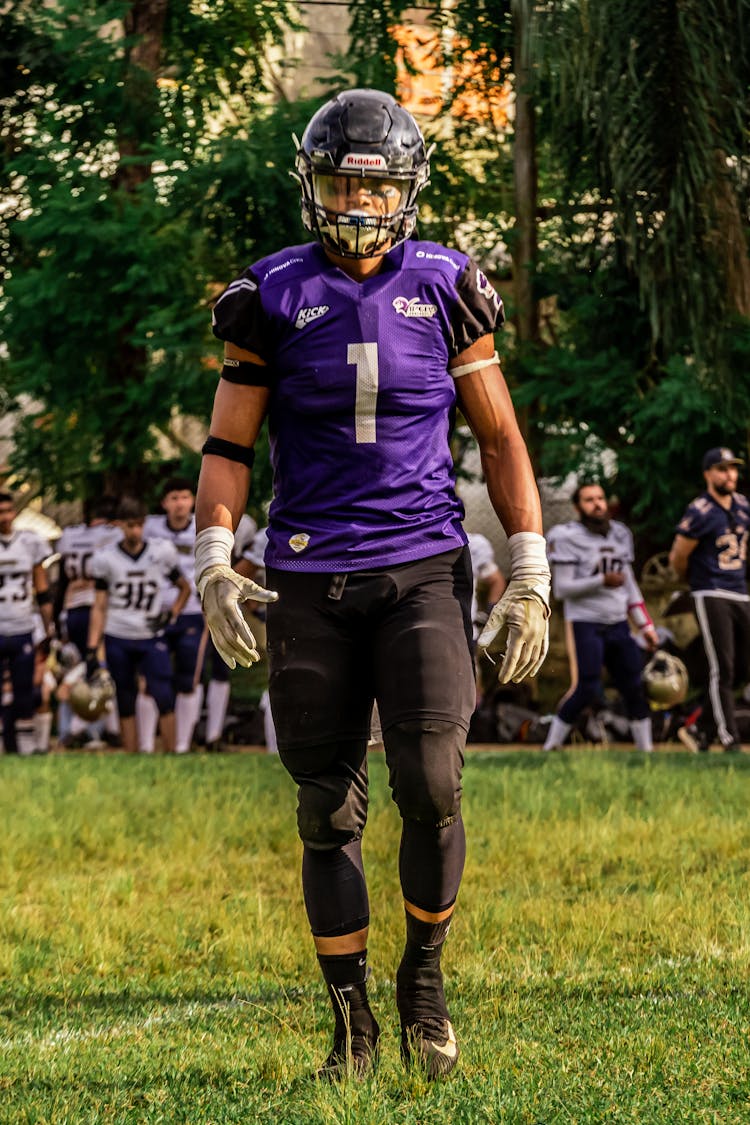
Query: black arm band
(230, 450)
(44, 597)
(245, 373)
(101, 584)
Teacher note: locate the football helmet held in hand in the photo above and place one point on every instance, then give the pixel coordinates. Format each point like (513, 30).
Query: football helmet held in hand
(91, 698)
(665, 679)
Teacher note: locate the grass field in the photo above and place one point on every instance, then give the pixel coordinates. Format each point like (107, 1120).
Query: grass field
(155, 963)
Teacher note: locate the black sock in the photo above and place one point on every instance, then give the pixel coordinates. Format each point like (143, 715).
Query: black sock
(346, 978)
(419, 980)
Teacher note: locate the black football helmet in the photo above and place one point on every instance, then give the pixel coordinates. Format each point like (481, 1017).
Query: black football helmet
(361, 164)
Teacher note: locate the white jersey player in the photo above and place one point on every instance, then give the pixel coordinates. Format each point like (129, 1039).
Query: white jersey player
(488, 578)
(592, 574)
(186, 637)
(581, 560)
(128, 579)
(133, 586)
(23, 582)
(21, 553)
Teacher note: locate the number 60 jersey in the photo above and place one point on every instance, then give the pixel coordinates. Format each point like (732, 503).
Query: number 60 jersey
(361, 403)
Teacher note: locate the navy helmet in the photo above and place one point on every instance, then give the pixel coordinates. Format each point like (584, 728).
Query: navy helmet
(361, 164)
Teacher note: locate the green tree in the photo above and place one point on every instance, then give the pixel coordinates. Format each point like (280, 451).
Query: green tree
(138, 166)
(636, 117)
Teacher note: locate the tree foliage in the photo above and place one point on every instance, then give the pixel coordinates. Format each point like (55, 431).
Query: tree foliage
(642, 271)
(138, 169)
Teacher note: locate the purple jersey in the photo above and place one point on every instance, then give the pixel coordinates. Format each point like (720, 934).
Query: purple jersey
(718, 562)
(361, 403)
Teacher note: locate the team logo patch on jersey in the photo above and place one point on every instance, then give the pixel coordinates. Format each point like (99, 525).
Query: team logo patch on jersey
(413, 307)
(304, 316)
(299, 541)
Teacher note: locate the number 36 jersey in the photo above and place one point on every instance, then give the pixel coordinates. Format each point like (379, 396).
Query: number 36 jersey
(19, 554)
(719, 560)
(361, 401)
(133, 584)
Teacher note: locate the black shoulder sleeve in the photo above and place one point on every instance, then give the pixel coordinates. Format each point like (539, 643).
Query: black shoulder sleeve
(239, 317)
(477, 310)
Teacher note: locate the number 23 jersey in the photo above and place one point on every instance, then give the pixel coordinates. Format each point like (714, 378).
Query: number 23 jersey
(133, 585)
(361, 403)
(718, 563)
(19, 554)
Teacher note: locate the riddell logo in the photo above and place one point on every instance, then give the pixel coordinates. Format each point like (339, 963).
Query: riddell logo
(364, 160)
(304, 316)
(413, 307)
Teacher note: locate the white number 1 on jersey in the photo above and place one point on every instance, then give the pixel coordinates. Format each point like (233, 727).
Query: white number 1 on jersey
(365, 358)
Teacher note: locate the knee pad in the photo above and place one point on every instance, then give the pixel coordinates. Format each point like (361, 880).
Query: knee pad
(331, 794)
(425, 758)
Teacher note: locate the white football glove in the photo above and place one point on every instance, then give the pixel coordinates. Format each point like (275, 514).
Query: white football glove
(224, 594)
(518, 625)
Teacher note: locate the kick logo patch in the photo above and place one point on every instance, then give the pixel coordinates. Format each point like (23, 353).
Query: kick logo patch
(304, 316)
(413, 307)
(299, 541)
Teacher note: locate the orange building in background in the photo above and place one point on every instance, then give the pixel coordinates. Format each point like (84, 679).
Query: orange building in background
(477, 85)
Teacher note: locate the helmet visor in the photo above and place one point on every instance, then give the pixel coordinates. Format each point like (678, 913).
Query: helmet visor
(368, 195)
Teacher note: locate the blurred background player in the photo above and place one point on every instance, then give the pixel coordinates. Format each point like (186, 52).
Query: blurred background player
(186, 637)
(23, 587)
(73, 601)
(252, 565)
(592, 574)
(710, 550)
(215, 671)
(128, 580)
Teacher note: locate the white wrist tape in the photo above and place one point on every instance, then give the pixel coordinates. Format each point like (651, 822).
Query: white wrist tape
(640, 615)
(213, 547)
(477, 365)
(528, 556)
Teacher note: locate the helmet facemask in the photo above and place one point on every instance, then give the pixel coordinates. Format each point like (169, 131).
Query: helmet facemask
(361, 165)
(360, 216)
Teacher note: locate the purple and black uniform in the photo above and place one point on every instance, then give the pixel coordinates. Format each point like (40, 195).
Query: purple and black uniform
(366, 545)
(717, 574)
(362, 402)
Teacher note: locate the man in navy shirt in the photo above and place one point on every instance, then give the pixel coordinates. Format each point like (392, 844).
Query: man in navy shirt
(710, 550)
(358, 348)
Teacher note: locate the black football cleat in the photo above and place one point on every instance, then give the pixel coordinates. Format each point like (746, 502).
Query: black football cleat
(430, 1044)
(352, 1055)
(428, 1040)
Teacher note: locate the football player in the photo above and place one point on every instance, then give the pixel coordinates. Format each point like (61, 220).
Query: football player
(358, 347)
(128, 578)
(592, 574)
(23, 581)
(74, 598)
(77, 546)
(710, 550)
(185, 638)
